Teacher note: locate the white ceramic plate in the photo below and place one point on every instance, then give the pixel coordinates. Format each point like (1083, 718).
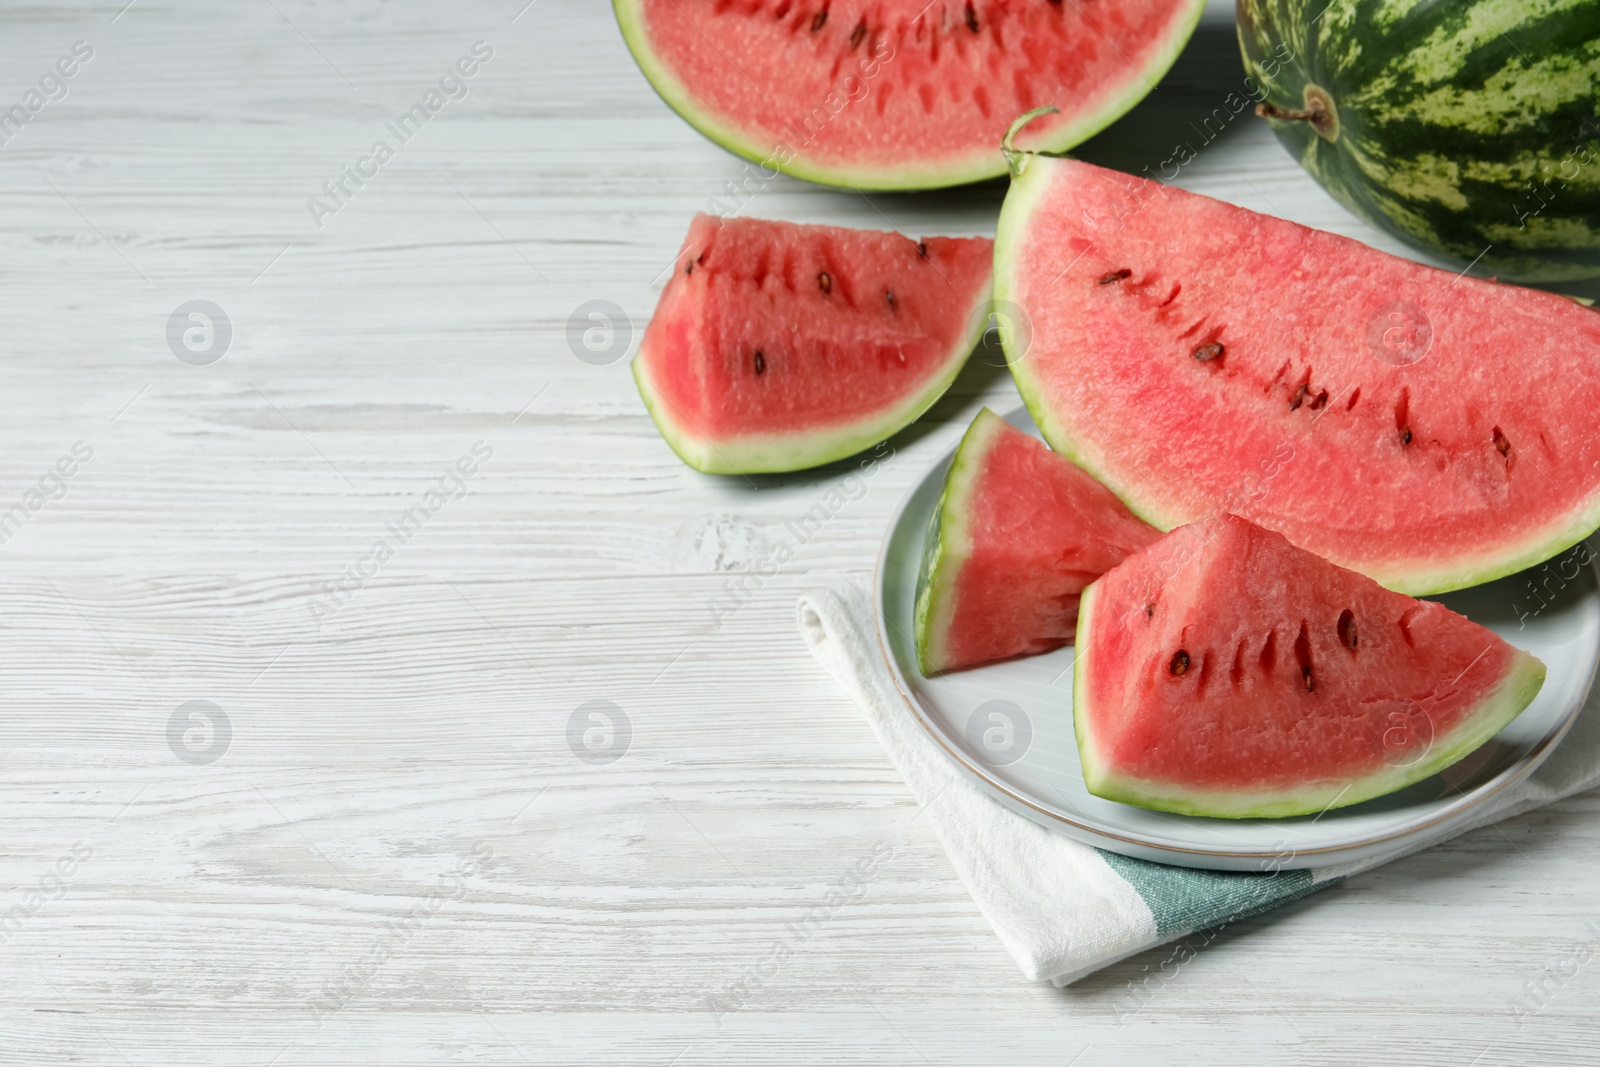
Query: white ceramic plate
(1009, 725)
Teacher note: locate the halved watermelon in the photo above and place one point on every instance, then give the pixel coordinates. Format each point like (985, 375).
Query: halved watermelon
(1018, 533)
(1429, 430)
(777, 347)
(1224, 672)
(900, 94)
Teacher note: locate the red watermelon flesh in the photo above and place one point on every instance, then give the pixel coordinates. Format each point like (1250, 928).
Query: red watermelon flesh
(1429, 430)
(900, 94)
(1223, 671)
(777, 347)
(1018, 533)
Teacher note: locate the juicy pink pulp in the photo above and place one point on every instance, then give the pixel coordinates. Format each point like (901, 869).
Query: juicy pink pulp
(887, 83)
(1385, 415)
(1278, 685)
(776, 328)
(1040, 529)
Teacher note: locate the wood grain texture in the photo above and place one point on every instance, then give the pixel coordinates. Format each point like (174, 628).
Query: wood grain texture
(398, 858)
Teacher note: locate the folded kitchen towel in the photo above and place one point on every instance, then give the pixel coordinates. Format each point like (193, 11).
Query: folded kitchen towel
(1065, 909)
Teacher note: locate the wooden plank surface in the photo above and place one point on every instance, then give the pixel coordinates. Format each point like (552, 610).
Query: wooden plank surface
(392, 853)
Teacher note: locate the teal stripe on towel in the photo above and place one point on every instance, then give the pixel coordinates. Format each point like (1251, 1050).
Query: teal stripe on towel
(1183, 899)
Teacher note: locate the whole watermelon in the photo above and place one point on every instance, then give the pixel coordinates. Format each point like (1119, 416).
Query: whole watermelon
(1465, 127)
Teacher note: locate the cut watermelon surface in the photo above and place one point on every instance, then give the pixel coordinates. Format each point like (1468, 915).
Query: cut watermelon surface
(900, 94)
(1018, 533)
(777, 347)
(1429, 430)
(1224, 672)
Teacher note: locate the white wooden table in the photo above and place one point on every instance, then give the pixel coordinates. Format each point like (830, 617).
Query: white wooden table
(391, 853)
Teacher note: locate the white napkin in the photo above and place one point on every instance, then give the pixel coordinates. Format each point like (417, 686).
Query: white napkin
(1064, 909)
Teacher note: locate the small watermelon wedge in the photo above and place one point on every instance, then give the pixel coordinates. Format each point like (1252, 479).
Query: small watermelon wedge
(777, 347)
(1018, 533)
(1430, 430)
(1224, 672)
(899, 94)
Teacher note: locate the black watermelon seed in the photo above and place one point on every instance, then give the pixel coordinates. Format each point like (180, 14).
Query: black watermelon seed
(825, 282)
(922, 249)
(972, 19)
(761, 362)
(1207, 353)
(1180, 662)
(820, 21)
(856, 34)
(888, 294)
(1502, 443)
(1115, 276)
(1405, 436)
(1311, 686)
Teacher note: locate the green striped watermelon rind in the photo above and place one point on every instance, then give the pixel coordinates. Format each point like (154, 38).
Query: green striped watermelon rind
(980, 167)
(1430, 183)
(1492, 714)
(783, 452)
(1029, 183)
(948, 543)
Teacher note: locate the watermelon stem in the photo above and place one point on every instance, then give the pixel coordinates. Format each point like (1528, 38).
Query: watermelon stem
(1288, 114)
(1319, 111)
(1017, 159)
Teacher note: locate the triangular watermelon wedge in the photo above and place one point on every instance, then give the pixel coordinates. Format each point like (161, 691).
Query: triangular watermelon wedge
(1222, 671)
(1430, 430)
(1018, 533)
(777, 346)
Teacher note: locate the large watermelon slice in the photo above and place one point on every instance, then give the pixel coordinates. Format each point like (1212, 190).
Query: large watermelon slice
(1224, 672)
(1017, 534)
(1429, 430)
(899, 94)
(777, 347)
(1466, 127)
